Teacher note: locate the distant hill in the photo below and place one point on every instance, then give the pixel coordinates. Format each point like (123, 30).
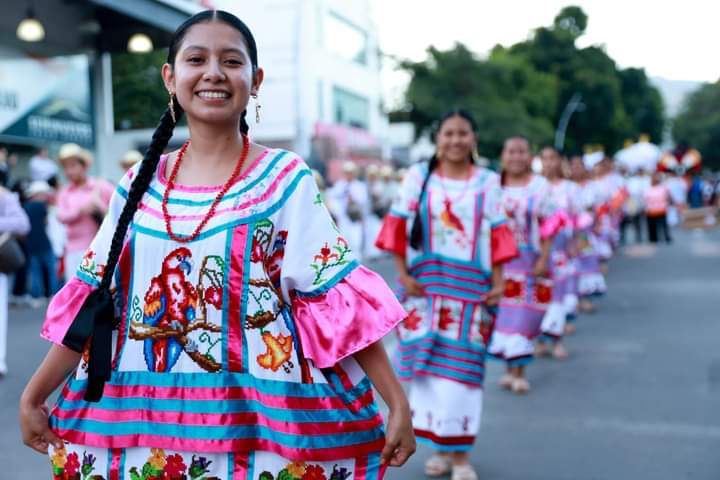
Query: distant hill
(674, 92)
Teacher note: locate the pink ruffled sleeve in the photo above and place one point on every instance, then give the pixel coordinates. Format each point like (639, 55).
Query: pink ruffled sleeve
(63, 309)
(550, 226)
(393, 235)
(354, 313)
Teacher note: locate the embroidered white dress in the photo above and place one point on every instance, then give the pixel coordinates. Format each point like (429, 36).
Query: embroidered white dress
(444, 338)
(233, 354)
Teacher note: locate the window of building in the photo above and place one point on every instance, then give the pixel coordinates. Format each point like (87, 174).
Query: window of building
(350, 108)
(345, 39)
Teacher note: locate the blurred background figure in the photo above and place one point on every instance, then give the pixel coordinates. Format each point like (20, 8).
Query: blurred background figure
(678, 188)
(13, 221)
(634, 207)
(657, 201)
(377, 210)
(81, 204)
(350, 204)
(41, 259)
(130, 158)
(43, 168)
(4, 167)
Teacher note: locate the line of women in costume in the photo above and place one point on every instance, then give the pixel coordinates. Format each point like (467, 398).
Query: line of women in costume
(489, 264)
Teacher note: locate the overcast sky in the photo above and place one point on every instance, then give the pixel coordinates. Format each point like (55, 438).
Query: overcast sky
(678, 40)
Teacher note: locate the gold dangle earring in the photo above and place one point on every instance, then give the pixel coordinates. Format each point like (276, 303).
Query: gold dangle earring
(171, 106)
(258, 106)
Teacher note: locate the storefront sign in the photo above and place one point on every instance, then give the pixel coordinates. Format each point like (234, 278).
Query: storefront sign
(46, 100)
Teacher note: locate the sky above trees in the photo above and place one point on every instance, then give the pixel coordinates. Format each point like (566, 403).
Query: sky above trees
(674, 40)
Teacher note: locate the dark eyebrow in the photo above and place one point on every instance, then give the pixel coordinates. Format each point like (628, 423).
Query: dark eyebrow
(224, 50)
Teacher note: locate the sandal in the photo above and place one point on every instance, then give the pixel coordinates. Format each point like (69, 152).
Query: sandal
(559, 352)
(438, 466)
(463, 472)
(520, 386)
(506, 381)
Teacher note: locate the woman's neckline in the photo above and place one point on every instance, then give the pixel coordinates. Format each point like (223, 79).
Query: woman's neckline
(206, 188)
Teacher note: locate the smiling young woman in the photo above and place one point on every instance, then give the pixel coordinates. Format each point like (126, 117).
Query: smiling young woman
(247, 338)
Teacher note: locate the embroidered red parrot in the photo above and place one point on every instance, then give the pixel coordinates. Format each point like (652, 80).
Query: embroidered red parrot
(170, 303)
(450, 220)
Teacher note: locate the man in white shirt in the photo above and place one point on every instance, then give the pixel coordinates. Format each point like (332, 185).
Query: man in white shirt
(42, 168)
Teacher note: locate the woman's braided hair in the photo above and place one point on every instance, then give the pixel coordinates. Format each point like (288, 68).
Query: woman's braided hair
(164, 132)
(416, 232)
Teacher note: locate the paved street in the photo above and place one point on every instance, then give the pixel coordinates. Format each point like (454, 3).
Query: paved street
(638, 399)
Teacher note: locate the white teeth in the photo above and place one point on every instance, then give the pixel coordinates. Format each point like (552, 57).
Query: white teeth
(214, 94)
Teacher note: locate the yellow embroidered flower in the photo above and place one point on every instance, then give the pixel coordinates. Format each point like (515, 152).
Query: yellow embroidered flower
(296, 469)
(157, 459)
(59, 458)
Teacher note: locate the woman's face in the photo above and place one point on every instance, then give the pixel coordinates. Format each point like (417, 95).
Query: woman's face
(577, 168)
(212, 76)
(551, 162)
(455, 140)
(516, 156)
(74, 170)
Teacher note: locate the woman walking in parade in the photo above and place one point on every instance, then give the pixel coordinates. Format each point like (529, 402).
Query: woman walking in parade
(528, 286)
(563, 193)
(248, 335)
(590, 278)
(447, 233)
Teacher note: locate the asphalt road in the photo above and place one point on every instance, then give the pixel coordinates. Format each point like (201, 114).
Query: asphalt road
(638, 399)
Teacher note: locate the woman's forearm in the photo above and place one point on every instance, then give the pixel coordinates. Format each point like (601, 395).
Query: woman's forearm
(400, 264)
(56, 366)
(374, 361)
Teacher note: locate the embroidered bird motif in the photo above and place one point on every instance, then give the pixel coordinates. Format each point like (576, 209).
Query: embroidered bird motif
(279, 351)
(170, 303)
(450, 220)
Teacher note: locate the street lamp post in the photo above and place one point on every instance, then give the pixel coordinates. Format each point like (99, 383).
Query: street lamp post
(574, 105)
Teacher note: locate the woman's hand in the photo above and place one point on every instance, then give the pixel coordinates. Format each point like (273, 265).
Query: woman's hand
(412, 286)
(495, 294)
(541, 267)
(36, 432)
(399, 438)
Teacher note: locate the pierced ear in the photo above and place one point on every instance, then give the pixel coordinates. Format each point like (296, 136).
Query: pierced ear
(168, 76)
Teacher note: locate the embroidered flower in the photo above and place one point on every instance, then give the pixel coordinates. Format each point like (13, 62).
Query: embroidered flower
(213, 296)
(296, 469)
(88, 463)
(157, 459)
(199, 466)
(513, 288)
(256, 254)
(59, 458)
(412, 321)
(314, 472)
(175, 467)
(446, 318)
(72, 465)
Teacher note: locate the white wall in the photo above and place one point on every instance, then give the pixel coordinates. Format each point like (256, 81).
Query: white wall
(299, 70)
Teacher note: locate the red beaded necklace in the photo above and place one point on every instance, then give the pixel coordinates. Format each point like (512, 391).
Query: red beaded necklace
(218, 197)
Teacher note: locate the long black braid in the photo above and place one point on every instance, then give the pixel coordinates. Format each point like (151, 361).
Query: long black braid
(164, 132)
(416, 232)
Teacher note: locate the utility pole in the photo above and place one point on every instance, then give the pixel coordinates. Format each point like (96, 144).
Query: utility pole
(574, 105)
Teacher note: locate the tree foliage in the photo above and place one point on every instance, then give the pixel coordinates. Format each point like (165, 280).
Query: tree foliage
(523, 89)
(139, 96)
(698, 123)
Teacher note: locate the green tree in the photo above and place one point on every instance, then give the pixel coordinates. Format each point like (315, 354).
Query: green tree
(643, 104)
(698, 123)
(505, 94)
(139, 96)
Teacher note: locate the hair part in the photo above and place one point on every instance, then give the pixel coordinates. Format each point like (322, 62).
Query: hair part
(164, 132)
